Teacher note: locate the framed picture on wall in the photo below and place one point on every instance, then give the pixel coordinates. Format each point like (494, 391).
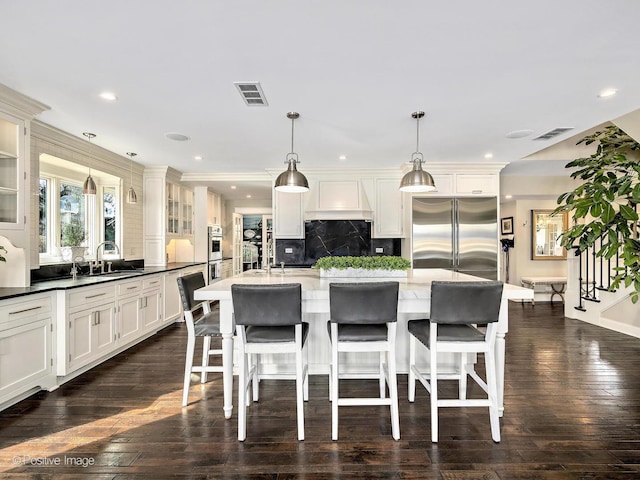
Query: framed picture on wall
(506, 225)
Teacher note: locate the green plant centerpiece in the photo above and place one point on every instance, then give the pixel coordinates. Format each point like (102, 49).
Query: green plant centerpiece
(72, 234)
(605, 205)
(72, 238)
(349, 266)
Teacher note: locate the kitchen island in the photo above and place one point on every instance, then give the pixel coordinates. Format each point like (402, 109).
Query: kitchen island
(413, 303)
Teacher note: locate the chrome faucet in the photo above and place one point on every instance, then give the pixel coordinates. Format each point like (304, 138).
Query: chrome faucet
(100, 263)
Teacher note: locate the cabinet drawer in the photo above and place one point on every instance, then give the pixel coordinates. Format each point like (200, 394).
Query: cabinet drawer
(151, 282)
(82, 297)
(26, 309)
(129, 287)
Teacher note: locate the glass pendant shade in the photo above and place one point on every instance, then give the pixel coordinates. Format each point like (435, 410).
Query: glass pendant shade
(89, 186)
(291, 180)
(417, 180)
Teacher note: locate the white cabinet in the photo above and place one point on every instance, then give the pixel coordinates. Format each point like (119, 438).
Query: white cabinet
(150, 303)
(26, 360)
(128, 311)
(214, 209)
(91, 334)
(165, 205)
(172, 303)
(388, 220)
(173, 209)
(11, 172)
(288, 215)
(86, 322)
(444, 184)
(477, 184)
(464, 184)
(170, 300)
(179, 210)
(16, 113)
(186, 212)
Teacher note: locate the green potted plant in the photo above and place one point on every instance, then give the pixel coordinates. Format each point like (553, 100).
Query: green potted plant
(348, 266)
(605, 205)
(72, 236)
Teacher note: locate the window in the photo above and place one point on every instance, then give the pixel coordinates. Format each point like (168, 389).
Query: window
(43, 221)
(68, 218)
(73, 221)
(109, 216)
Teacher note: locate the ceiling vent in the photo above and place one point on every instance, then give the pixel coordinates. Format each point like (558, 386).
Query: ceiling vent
(251, 93)
(553, 133)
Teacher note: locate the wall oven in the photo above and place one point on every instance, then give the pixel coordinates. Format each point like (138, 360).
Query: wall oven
(214, 264)
(215, 242)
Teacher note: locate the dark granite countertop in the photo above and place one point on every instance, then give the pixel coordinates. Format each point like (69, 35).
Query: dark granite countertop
(85, 280)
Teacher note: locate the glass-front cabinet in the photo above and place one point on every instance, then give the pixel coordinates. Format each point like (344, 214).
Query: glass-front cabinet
(11, 172)
(173, 209)
(186, 201)
(179, 210)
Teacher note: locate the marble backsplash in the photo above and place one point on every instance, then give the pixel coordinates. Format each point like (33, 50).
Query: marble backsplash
(334, 237)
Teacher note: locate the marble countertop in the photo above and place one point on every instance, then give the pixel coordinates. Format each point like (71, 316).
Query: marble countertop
(84, 281)
(417, 284)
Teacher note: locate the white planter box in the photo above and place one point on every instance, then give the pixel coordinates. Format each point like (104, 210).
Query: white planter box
(362, 273)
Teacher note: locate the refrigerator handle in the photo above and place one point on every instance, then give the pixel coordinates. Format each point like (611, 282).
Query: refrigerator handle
(454, 231)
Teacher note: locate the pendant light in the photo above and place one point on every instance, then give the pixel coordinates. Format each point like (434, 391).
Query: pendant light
(89, 186)
(291, 180)
(417, 180)
(131, 194)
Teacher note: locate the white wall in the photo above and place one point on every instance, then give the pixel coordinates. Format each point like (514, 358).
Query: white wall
(531, 193)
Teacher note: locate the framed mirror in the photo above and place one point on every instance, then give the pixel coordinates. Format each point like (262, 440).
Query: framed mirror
(545, 230)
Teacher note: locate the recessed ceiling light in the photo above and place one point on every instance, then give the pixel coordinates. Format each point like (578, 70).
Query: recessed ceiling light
(508, 196)
(248, 196)
(110, 96)
(488, 155)
(233, 187)
(607, 92)
(519, 133)
(178, 137)
(198, 157)
(342, 157)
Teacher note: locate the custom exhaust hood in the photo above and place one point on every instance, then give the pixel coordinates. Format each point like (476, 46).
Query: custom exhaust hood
(337, 200)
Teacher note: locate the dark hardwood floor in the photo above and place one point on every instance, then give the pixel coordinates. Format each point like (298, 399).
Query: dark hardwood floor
(572, 411)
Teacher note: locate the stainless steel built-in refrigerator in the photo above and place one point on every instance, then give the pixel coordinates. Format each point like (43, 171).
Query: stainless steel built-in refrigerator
(458, 234)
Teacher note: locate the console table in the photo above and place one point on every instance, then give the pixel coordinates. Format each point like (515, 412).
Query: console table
(557, 284)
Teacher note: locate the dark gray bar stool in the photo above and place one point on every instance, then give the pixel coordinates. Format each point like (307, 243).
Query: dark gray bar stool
(363, 319)
(207, 326)
(456, 309)
(269, 320)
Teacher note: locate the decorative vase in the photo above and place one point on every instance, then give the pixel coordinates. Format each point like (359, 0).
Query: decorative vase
(73, 254)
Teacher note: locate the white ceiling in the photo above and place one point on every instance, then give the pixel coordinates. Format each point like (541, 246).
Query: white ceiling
(355, 70)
